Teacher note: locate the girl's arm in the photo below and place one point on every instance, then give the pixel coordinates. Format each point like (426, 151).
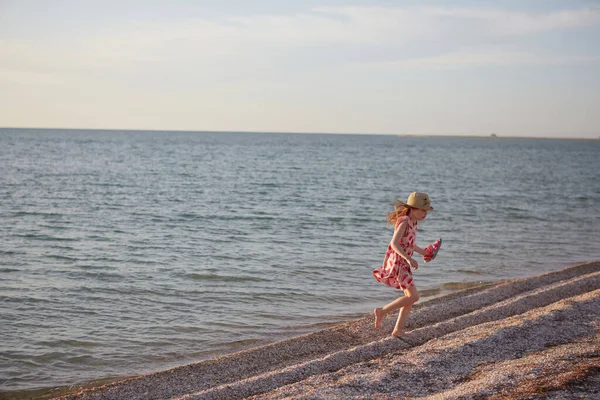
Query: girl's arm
(398, 233)
(419, 250)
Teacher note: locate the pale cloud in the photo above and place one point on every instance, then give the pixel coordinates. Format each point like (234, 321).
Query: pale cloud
(207, 41)
(31, 78)
(518, 23)
(393, 28)
(469, 59)
(340, 25)
(81, 54)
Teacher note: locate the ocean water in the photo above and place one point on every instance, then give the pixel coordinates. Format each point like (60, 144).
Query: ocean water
(122, 253)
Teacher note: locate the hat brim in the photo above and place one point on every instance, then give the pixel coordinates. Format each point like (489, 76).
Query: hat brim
(418, 208)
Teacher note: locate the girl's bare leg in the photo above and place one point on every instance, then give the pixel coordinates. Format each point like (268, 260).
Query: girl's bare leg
(379, 314)
(397, 332)
(410, 297)
(413, 295)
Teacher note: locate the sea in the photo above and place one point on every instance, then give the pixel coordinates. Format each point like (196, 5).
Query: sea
(127, 252)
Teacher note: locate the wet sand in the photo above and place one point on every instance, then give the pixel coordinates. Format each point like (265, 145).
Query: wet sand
(536, 337)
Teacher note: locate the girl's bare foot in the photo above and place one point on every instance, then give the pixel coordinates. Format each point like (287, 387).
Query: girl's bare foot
(379, 314)
(396, 333)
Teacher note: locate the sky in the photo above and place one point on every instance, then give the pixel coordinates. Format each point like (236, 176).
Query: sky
(509, 67)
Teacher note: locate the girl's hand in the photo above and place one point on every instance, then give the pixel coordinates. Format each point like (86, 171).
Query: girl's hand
(413, 263)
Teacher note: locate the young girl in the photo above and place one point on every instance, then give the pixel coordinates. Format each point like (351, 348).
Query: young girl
(395, 271)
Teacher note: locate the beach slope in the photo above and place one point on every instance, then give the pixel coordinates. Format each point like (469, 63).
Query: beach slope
(525, 338)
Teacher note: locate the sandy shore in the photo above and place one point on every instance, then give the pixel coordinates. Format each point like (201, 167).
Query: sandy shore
(537, 337)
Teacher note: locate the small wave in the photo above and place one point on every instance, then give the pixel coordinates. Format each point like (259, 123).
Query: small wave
(43, 237)
(362, 219)
(35, 214)
(105, 184)
(225, 278)
(269, 185)
(95, 267)
(306, 272)
(290, 295)
(470, 271)
(62, 258)
(95, 275)
(54, 227)
(84, 360)
(109, 260)
(190, 329)
(10, 252)
(67, 343)
(523, 217)
(188, 215)
(511, 208)
(24, 299)
(98, 238)
(225, 218)
(48, 357)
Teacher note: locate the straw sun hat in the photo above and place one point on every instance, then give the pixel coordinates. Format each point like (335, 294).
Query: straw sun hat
(418, 200)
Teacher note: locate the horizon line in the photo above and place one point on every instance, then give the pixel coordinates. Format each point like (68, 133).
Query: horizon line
(490, 135)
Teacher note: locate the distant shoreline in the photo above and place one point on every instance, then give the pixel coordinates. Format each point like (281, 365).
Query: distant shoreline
(403, 135)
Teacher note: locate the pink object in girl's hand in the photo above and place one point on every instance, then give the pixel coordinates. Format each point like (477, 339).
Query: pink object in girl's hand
(431, 250)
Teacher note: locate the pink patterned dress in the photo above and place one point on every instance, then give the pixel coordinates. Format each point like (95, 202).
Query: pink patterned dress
(395, 271)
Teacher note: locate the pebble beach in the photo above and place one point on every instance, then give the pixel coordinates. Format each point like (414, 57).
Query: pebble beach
(535, 337)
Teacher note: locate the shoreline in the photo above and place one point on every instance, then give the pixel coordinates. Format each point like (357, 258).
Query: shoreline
(484, 320)
(44, 393)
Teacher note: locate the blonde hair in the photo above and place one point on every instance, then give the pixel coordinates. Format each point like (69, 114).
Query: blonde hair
(400, 210)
